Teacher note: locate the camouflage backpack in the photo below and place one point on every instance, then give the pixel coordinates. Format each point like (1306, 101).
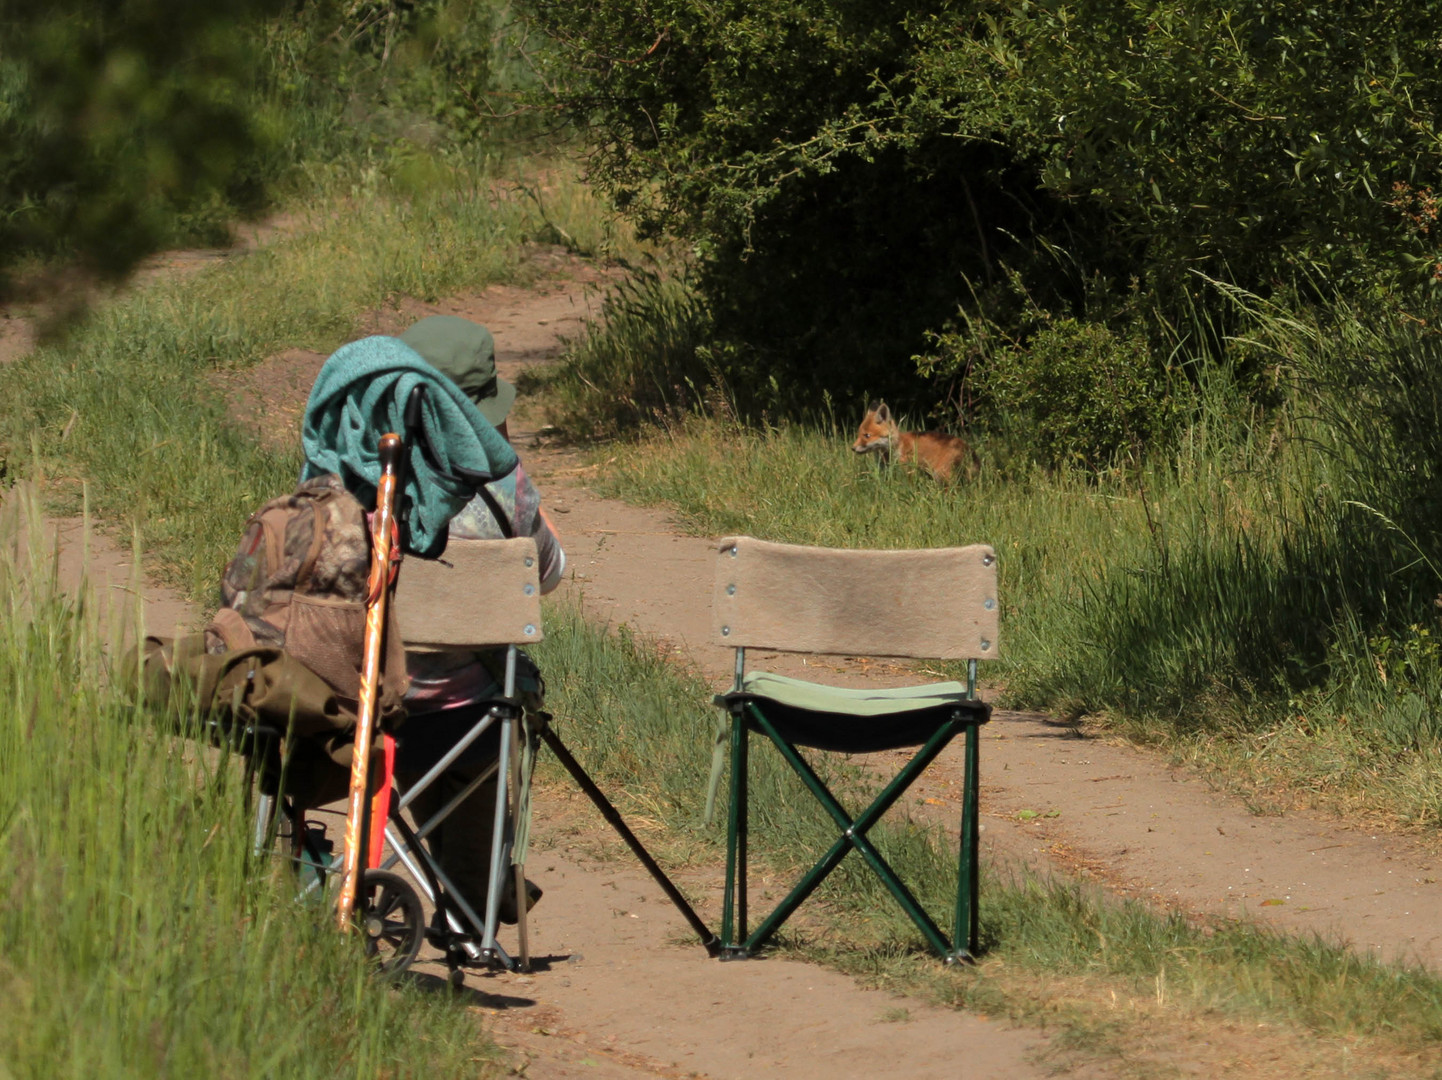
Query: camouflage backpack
(298, 582)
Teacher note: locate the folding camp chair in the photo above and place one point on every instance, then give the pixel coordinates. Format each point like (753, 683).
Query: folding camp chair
(938, 604)
(482, 594)
(485, 593)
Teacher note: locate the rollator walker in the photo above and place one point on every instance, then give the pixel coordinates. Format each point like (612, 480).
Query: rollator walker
(485, 594)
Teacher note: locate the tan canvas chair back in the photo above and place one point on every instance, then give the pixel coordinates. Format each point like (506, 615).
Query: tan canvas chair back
(480, 592)
(936, 603)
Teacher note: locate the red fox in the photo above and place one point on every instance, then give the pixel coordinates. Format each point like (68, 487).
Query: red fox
(946, 457)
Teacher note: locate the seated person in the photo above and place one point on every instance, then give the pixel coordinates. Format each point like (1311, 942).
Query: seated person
(465, 352)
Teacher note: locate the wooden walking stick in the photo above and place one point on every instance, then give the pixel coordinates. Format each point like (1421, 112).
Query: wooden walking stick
(378, 595)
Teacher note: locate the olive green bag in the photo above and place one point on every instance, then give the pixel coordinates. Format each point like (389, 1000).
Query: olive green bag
(264, 685)
(261, 687)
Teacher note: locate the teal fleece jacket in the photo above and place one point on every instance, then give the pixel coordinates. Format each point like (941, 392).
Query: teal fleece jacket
(360, 395)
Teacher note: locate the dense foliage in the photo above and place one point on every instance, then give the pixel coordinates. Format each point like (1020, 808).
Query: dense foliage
(127, 125)
(114, 115)
(853, 174)
(1087, 396)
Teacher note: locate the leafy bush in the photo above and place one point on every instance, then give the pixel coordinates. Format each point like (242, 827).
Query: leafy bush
(851, 173)
(128, 126)
(1084, 395)
(443, 74)
(116, 116)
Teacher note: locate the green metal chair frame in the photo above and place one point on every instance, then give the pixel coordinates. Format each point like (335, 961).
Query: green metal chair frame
(939, 604)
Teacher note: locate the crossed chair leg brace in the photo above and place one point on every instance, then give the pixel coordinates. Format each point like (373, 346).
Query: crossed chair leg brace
(406, 848)
(737, 944)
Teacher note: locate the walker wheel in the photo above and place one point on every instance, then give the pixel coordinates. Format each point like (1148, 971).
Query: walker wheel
(389, 913)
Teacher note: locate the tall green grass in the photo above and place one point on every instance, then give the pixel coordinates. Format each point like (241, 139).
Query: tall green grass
(138, 936)
(641, 725)
(124, 401)
(648, 365)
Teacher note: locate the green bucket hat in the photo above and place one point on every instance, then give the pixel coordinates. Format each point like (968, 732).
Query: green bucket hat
(465, 353)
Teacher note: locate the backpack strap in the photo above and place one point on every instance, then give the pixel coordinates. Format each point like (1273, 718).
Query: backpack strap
(274, 545)
(321, 510)
(232, 628)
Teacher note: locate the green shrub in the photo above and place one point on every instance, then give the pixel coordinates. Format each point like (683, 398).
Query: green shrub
(850, 173)
(1079, 394)
(118, 125)
(158, 124)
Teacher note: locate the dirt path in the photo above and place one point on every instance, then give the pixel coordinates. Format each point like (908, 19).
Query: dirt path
(624, 994)
(621, 989)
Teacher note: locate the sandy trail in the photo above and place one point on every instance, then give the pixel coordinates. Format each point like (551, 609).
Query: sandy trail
(625, 994)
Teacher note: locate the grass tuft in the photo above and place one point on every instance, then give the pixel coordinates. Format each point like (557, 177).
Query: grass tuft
(640, 363)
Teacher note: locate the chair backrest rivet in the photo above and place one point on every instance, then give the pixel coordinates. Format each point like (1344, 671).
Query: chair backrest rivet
(730, 590)
(529, 589)
(989, 603)
(530, 629)
(985, 644)
(987, 560)
(732, 549)
(530, 561)
(726, 631)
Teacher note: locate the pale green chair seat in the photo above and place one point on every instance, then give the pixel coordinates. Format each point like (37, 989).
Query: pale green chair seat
(849, 720)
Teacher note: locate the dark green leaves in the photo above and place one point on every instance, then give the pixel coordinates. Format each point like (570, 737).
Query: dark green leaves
(853, 172)
(114, 116)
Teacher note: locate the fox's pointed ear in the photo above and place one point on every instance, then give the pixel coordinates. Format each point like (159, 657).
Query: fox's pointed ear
(883, 414)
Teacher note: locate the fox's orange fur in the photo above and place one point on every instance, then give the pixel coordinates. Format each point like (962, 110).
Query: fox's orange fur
(946, 457)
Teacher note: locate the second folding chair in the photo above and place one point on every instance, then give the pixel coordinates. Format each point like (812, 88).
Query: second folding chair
(939, 604)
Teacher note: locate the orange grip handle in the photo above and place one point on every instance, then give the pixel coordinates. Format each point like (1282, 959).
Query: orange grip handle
(389, 452)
